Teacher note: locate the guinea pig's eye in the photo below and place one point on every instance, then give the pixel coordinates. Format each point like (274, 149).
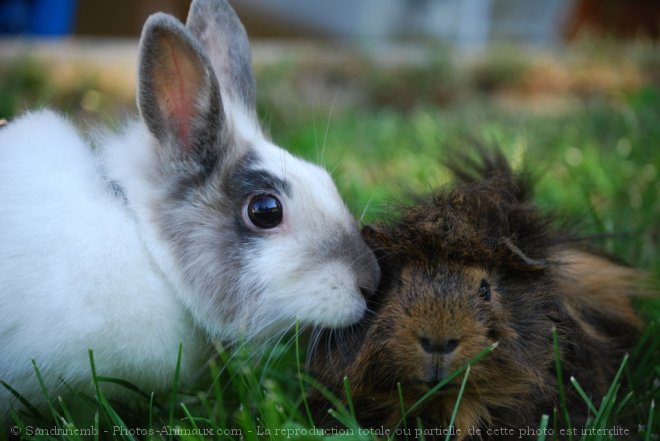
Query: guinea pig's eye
(484, 290)
(265, 211)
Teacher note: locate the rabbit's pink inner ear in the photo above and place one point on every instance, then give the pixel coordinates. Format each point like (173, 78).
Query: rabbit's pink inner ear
(179, 78)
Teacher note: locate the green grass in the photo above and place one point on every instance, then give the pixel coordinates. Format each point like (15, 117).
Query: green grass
(259, 398)
(597, 160)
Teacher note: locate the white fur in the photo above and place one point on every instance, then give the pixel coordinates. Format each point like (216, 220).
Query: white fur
(75, 274)
(82, 269)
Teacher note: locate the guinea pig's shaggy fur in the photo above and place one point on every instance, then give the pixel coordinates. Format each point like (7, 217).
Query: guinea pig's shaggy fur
(471, 266)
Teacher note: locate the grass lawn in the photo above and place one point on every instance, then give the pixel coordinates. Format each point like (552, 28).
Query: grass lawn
(585, 122)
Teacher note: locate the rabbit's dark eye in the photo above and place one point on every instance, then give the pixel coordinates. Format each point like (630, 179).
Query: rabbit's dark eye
(484, 290)
(265, 211)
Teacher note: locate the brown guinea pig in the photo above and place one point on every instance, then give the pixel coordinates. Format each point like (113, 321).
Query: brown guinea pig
(471, 266)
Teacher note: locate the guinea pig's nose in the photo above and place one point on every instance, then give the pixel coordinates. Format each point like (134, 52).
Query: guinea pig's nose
(442, 347)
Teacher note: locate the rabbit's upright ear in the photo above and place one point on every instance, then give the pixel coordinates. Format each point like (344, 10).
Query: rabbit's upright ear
(217, 27)
(178, 96)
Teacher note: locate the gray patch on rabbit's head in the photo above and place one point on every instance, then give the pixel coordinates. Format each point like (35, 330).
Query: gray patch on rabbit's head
(209, 240)
(197, 222)
(246, 178)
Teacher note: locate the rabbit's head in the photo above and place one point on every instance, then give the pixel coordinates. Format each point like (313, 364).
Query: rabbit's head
(250, 236)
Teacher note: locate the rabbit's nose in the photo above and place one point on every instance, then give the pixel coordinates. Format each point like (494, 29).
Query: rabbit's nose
(441, 347)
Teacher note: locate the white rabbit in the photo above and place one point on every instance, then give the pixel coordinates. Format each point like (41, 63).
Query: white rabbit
(188, 226)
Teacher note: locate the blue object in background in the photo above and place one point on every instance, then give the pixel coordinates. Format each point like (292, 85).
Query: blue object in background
(48, 18)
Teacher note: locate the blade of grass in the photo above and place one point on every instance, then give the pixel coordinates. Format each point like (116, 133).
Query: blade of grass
(646, 336)
(403, 408)
(44, 391)
(584, 395)
(150, 416)
(446, 381)
(623, 402)
(332, 398)
(123, 383)
(218, 393)
(560, 384)
(247, 424)
(606, 410)
(193, 423)
(340, 412)
(458, 402)
(81, 397)
(543, 425)
(96, 425)
(175, 387)
(103, 402)
(308, 411)
(349, 396)
(420, 428)
(33, 410)
(649, 352)
(69, 425)
(275, 354)
(346, 420)
(609, 398)
(649, 424)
